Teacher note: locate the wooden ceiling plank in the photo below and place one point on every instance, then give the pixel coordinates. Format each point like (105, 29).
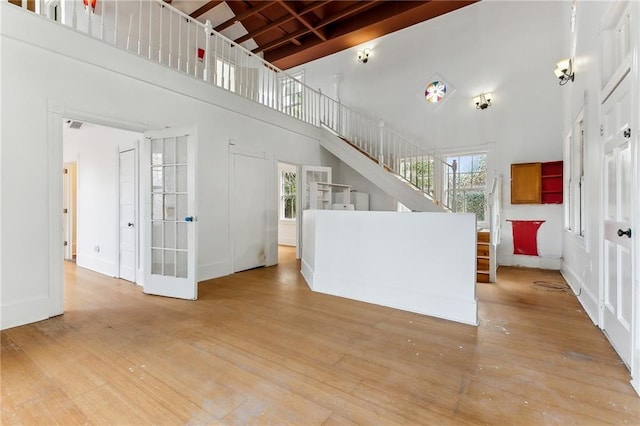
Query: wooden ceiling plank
(244, 15)
(205, 8)
(252, 34)
(281, 41)
(345, 12)
(303, 21)
(289, 37)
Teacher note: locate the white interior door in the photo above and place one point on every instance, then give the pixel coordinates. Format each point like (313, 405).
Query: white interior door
(308, 174)
(618, 292)
(249, 213)
(170, 213)
(127, 215)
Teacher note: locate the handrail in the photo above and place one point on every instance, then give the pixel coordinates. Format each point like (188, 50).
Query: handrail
(495, 204)
(161, 33)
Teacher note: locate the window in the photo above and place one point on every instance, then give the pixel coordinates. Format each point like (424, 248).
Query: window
(225, 75)
(287, 195)
(576, 178)
(471, 183)
(568, 203)
(291, 87)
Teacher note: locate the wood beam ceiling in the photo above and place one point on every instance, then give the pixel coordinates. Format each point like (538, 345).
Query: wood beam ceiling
(380, 19)
(244, 15)
(280, 21)
(205, 8)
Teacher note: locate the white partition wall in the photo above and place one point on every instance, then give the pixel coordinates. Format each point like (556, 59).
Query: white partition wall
(418, 262)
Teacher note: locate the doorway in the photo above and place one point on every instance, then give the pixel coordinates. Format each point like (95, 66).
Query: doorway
(102, 161)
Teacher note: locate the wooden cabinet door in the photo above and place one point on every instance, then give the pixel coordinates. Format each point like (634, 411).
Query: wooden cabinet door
(525, 183)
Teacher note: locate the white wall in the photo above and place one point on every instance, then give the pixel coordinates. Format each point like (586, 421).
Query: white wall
(506, 47)
(91, 81)
(378, 199)
(582, 256)
(433, 255)
(95, 149)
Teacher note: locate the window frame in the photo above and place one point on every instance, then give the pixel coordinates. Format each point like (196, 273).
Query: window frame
(282, 196)
(486, 150)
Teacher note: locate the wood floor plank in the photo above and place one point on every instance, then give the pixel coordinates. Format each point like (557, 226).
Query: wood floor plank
(259, 347)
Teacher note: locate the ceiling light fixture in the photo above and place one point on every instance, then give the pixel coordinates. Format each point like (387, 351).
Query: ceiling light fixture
(363, 55)
(564, 71)
(483, 100)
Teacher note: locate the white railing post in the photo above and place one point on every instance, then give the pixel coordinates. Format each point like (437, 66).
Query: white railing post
(320, 108)
(208, 27)
(381, 142)
(74, 15)
(454, 184)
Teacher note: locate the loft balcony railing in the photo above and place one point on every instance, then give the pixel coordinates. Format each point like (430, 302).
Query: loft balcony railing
(161, 33)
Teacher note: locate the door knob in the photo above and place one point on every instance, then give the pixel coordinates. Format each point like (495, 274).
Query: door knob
(627, 233)
(130, 225)
(188, 219)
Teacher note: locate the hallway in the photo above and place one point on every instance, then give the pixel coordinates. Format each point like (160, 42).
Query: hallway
(259, 347)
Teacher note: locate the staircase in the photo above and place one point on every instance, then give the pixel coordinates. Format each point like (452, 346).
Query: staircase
(387, 181)
(483, 256)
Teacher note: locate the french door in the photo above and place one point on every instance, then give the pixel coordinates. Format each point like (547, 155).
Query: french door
(170, 213)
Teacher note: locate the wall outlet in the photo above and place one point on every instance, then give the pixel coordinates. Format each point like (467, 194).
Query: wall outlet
(96, 249)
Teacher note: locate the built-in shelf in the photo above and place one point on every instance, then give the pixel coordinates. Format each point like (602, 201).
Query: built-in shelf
(537, 183)
(321, 195)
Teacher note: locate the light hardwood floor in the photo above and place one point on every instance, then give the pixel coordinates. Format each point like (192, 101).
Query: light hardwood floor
(260, 348)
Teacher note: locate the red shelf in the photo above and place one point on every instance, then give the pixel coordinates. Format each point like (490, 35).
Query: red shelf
(552, 182)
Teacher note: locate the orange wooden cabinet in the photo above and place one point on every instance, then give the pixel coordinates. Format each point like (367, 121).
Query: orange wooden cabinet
(536, 183)
(526, 183)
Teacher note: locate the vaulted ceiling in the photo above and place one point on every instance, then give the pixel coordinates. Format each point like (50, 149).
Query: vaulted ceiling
(290, 33)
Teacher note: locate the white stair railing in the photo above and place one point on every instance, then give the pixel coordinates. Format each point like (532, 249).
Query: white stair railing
(155, 30)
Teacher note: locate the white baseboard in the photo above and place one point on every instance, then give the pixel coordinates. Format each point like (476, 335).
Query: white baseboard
(552, 263)
(214, 270)
(25, 312)
(587, 299)
(95, 264)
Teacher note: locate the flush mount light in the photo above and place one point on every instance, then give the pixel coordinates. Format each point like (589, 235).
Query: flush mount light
(483, 101)
(564, 71)
(363, 55)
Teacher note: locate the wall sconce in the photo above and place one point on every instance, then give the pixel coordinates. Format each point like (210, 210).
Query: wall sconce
(483, 100)
(564, 71)
(363, 55)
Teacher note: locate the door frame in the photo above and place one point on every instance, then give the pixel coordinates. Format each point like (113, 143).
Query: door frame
(70, 185)
(271, 204)
(57, 111)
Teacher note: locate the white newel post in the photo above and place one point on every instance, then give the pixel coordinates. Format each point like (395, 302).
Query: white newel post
(381, 151)
(208, 28)
(336, 84)
(454, 183)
